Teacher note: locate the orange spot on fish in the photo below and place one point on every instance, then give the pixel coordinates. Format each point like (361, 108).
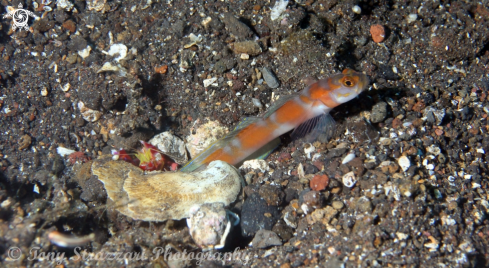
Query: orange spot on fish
(290, 110)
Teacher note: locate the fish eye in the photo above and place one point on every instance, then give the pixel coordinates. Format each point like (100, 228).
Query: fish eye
(348, 83)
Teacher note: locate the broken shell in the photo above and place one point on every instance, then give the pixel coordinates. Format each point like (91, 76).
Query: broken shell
(66, 87)
(256, 164)
(437, 114)
(97, 5)
(171, 145)
(108, 67)
(64, 4)
(194, 40)
(62, 151)
(209, 225)
(118, 49)
(277, 10)
(84, 53)
(166, 195)
(205, 22)
(308, 149)
(210, 81)
(349, 179)
(89, 114)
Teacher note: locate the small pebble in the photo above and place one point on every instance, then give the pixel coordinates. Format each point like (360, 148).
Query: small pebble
(412, 18)
(379, 112)
(44, 91)
(312, 199)
(257, 103)
(251, 48)
(161, 69)
(266, 238)
(404, 162)
(24, 142)
(378, 33)
(70, 26)
(270, 78)
(338, 205)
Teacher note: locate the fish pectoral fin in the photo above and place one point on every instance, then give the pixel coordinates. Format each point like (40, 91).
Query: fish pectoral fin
(320, 128)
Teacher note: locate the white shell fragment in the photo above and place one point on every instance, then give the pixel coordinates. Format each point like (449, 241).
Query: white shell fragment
(194, 40)
(89, 114)
(206, 21)
(404, 162)
(44, 91)
(109, 67)
(349, 179)
(171, 145)
(210, 82)
(36, 189)
(348, 158)
(84, 53)
(300, 171)
(256, 164)
(97, 5)
(118, 49)
(62, 151)
(433, 149)
(66, 87)
(278, 9)
(412, 18)
(308, 149)
(64, 4)
(209, 225)
(159, 196)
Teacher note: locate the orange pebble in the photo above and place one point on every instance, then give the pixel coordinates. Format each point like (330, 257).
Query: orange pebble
(319, 182)
(161, 69)
(378, 33)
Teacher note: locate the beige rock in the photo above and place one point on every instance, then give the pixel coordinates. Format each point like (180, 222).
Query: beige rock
(160, 196)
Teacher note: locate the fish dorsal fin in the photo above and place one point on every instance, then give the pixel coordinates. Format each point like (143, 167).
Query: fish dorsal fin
(197, 161)
(320, 128)
(278, 103)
